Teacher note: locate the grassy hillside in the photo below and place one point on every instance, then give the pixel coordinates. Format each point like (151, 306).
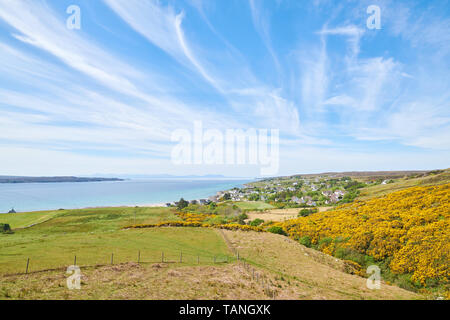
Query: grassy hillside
(406, 233)
(83, 220)
(276, 269)
(93, 235)
(23, 220)
(407, 181)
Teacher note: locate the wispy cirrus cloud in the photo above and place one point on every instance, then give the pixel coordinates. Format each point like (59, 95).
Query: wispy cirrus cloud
(162, 26)
(342, 91)
(260, 18)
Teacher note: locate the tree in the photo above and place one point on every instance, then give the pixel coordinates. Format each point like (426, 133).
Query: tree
(307, 212)
(241, 218)
(212, 205)
(254, 197)
(226, 196)
(182, 204)
(5, 228)
(257, 222)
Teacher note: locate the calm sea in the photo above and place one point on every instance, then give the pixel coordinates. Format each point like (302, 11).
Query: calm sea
(24, 197)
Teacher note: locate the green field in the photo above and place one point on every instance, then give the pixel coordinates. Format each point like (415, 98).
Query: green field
(253, 205)
(93, 235)
(23, 220)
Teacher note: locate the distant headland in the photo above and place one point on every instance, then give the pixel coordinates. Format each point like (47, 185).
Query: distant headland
(18, 179)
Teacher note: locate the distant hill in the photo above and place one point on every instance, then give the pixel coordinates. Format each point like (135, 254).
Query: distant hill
(169, 176)
(17, 179)
(369, 174)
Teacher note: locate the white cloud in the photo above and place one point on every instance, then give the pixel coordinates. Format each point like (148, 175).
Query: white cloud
(162, 27)
(261, 22)
(91, 100)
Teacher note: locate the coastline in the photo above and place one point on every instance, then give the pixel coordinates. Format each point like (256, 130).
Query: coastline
(46, 197)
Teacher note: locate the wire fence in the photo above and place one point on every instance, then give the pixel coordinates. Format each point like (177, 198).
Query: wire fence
(248, 269)
(34, 265)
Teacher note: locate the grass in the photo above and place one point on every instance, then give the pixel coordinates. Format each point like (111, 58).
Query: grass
(93, 235)
(85, 220)
(314, 275)
(287, 268)
(23, 220)
(253, 205)
(140, 282)
(403, 183)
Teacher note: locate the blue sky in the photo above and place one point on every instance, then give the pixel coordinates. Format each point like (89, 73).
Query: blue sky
(105, 99)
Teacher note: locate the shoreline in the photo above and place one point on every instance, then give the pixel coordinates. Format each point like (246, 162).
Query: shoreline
(125, 204)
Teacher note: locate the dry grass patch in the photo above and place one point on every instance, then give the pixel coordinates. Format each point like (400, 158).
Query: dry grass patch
(316, 275)
(156, 281)
(279, 215)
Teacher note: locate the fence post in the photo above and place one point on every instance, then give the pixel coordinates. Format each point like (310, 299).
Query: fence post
(198, 259)
(112, 258)
(139, 256)
(28, 262)
(75, 261)
(214, 259)
(162, 257)
(181, 257)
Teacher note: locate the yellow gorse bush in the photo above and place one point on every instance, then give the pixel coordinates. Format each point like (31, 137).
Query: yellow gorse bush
(194, 217)
(411, 227)
(196, 224)
(196, 220)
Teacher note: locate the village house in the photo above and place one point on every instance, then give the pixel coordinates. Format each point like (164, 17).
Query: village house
(296, 200)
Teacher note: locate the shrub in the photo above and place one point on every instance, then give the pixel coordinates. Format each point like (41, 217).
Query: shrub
(241, 218)
(307, 212)
(216, 220)
(324, 242)
(277, 230)
(350, 255)
(306, 241)
(256, 222)
(407, 231)
(182, 204)
(5, 228)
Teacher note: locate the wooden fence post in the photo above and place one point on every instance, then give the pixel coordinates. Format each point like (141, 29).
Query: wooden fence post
(28, 262)
(198, 259)
(162, 257)
(181, 257)
(139, 256)
(112, 258)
